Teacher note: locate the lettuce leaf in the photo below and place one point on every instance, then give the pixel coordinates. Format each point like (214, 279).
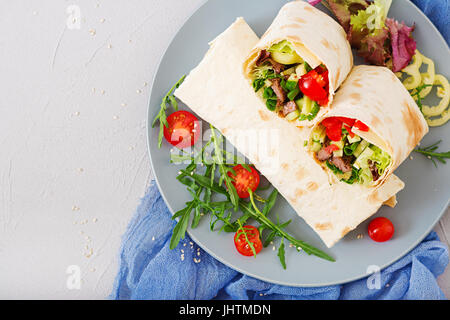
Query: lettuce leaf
(402, 42)
(344, 9)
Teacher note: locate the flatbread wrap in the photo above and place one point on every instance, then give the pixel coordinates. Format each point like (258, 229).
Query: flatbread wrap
(217, 92)
(299, 63)
(373, 126)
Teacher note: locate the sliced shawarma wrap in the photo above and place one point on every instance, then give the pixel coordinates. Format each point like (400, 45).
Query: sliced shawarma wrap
(373, 126)
(217, 91)
(299, 63)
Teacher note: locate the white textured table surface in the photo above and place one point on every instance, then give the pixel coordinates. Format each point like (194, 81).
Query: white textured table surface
(74, 82)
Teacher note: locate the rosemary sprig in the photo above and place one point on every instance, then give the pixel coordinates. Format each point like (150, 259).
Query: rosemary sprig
(430, 153)
(161, 116)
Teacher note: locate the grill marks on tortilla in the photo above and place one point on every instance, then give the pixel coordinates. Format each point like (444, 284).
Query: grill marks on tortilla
(299, 20)
(413, 124)
(345, 231)
(263, 116)
(356, 96)
(374, 198)
(301, 173)
(289, 26)
(299, 192)
(312, 186)
(323, 226)
(325, 43)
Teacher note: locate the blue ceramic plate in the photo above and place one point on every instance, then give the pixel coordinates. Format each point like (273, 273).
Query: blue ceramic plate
(421, 203)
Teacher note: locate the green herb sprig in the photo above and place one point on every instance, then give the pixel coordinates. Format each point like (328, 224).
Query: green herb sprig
(161, 116)
(416, 94)
(430, 153)
(215, 182)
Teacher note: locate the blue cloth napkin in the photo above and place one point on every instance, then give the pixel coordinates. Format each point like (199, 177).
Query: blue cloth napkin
(438, 12)
(150, 270)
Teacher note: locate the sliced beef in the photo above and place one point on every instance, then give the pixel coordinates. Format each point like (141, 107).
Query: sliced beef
(324, 154)
(373, 168)
(289, 107)
(277, 67)
(342, 163)
(263, 57)
(279, 92)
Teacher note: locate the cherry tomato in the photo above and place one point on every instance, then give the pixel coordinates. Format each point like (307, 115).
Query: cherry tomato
(381, 229)
(244, 180)
(331, 122)
(253, 237)
(310, 85)
(331, 148)
(182, 132)
(334, 133)
(361, 126)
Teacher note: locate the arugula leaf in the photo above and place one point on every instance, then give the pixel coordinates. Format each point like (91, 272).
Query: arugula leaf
(161, 116)
(281, 254)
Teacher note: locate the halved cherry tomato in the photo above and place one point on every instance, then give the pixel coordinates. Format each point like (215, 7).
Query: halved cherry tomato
(331, 148)
(381, 229)
(312, 85)
(331, 122)
(361, 126)
(253, 237)
(182, 132)
(334, 133)
(243, 180)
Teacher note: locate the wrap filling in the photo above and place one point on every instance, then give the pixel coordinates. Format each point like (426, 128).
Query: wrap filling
(288, 85)
(350, 157)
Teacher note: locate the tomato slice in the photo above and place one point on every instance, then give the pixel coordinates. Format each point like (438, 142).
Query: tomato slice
(361, 126)
(381, 229)
(182, 132)
(331, 148)
(310, 85)
(331, 122)
(243, 180)
(334, 133)
(241, 243)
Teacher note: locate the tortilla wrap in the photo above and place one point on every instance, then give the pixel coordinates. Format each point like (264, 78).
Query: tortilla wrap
(375, 96)
(217, 91)
(316, 38)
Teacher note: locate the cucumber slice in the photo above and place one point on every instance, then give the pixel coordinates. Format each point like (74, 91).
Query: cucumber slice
(288, 72)
(315, 146)
(356, 138)
(300, 70)
(307, 105)
(293, 115)
(361, 147)
(339, 144)
(338, 153)
(319, 134)
(286, 58)
(361, 161)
